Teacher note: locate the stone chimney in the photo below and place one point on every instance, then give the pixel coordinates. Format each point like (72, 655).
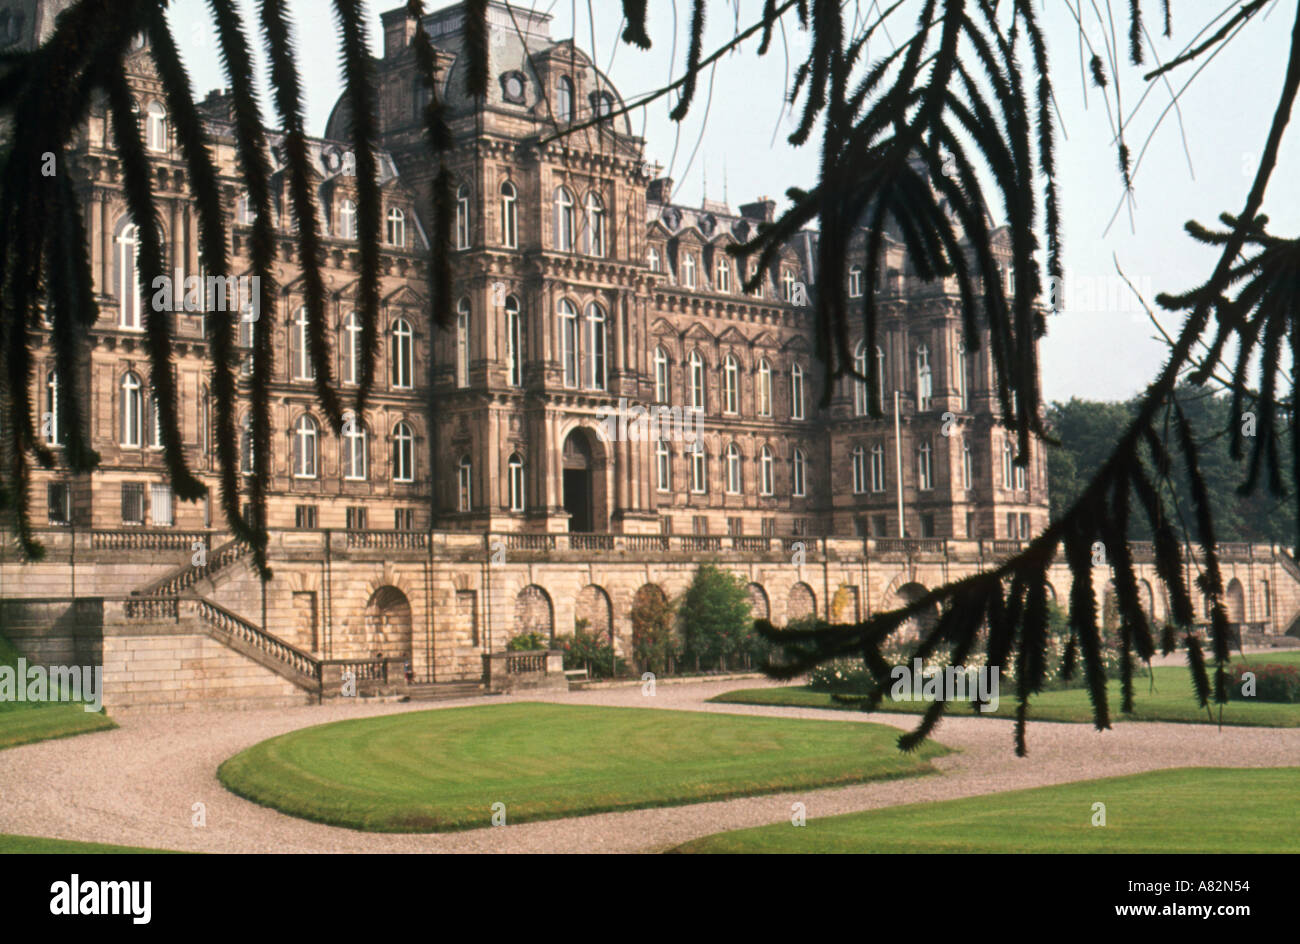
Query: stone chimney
(763, 210)
(660, 190)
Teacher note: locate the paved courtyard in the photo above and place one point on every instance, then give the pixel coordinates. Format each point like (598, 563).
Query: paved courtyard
(138, 785)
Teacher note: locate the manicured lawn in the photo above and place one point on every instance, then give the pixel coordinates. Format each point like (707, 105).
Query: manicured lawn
(1172, 700)
(37, 845)
(1192, 810)
(24, 722)
(432, 771)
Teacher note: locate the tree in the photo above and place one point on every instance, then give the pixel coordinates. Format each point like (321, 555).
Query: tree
(714, 615)
(654, 644)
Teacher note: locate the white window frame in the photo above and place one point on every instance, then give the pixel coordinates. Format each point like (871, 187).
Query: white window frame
(509, 215)
(796, 392)
(403, 452)
(462, 343)
(764, 393)
(597, 347)
(515, 467)
(766, 472)
(569, 334)
(662, 385)
(696, 373)
(735, 476)
(403, 354)
(514, 343)
(799, 475)
(306, 452)
(730, 385)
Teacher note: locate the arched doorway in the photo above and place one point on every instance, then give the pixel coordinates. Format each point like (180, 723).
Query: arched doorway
(533, 613)
(592, 609)
(758, 607)
(581, 466)
(801, 603)
(388, 624)
(909, 593)
(1234, 601)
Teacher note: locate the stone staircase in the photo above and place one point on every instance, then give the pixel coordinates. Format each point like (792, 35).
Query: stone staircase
(235, 632)
(183, 578)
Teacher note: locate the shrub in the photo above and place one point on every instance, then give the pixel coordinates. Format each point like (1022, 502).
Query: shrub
(527, 642)
(1273, 682)
(715, 618)
(654, 645)
(590, 651)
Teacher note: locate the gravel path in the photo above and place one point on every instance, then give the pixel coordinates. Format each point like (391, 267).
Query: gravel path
(137, 785)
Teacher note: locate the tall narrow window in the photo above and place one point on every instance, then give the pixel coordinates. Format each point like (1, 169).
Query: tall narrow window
(132, 411)
(652, 259)
(696, 364)
(859, 470)
(730, 385)
(563, 219)
(156, 128)
(764, 393)
(54, 435)
(1008, 463)
(963, 390)
(663, 467)
(352, 348)
(347, 220)
(596, 348)
(722, 273)
(766, 476)
(129, 303)
(855, 282)
(1020, 477)
(244, 209)
(302, 365)
(403, 354)
(354, 452)
(661, 375)
(304, 448)
(465, 485)
(514, 343)
(594, 237)
(699, 470)
(787, 285)
(688, 270)
(569, 342)
(860, 386)
(877, 468)
(462, 343)
(733, 470)
(923, 380)
(799, 474)
(880, 375)
(509, 216)
(796, 392)
(462, 217)
(756, 277)
(396, 228)
(516, 476)
(247, 448)
(924, 467)
(967, 466)
(564, 99)
(153, 421)
(403, 453)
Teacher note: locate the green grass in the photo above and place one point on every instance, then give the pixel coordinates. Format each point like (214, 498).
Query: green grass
(1190, 810)
(1173, 700)
(24, 722)
(38, 845)
(439, 770)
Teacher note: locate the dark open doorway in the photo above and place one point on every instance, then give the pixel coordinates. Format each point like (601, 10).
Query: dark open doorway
(577, 481)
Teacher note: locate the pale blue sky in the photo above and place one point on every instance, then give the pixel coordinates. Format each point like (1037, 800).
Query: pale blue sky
(1102, 346)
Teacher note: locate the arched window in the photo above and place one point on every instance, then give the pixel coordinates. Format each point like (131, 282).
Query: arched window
(347, 220)
(564, 99)
(696, 365)
(603, 104)
(569, 342)
(923, 381)
(462, 343)
(734, 483)
(688, 270)
(462, 217)
(563, 200)
(244, 209)
(860, 386)
(514, 343)
(298, 354)
(855, 282)
(799, 474)
(354, 451)
(516, 478)
(1008, 463)
(305, 434)
(509, 216)
(596, 348)
(594, 237)
(1020, 477)
(699, 469)
(403, 453)
(766, 476)
(132, 412)
(403, 354)
(796, 392)
(859, 470)
(396, 228)
(963, 390)
(722, 277)
(967, 465)
(54, 434)
(764, 393)
(352, 348)
(924, 467)
(130, 304)
(663, 467)
(730, 385)
(155, 134)
(153, 421)
(877, 468)
(465, 485)
(661, 375)
(653, 257)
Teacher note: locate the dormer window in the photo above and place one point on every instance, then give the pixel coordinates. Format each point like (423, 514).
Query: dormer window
(564, 99)
(688, 270)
